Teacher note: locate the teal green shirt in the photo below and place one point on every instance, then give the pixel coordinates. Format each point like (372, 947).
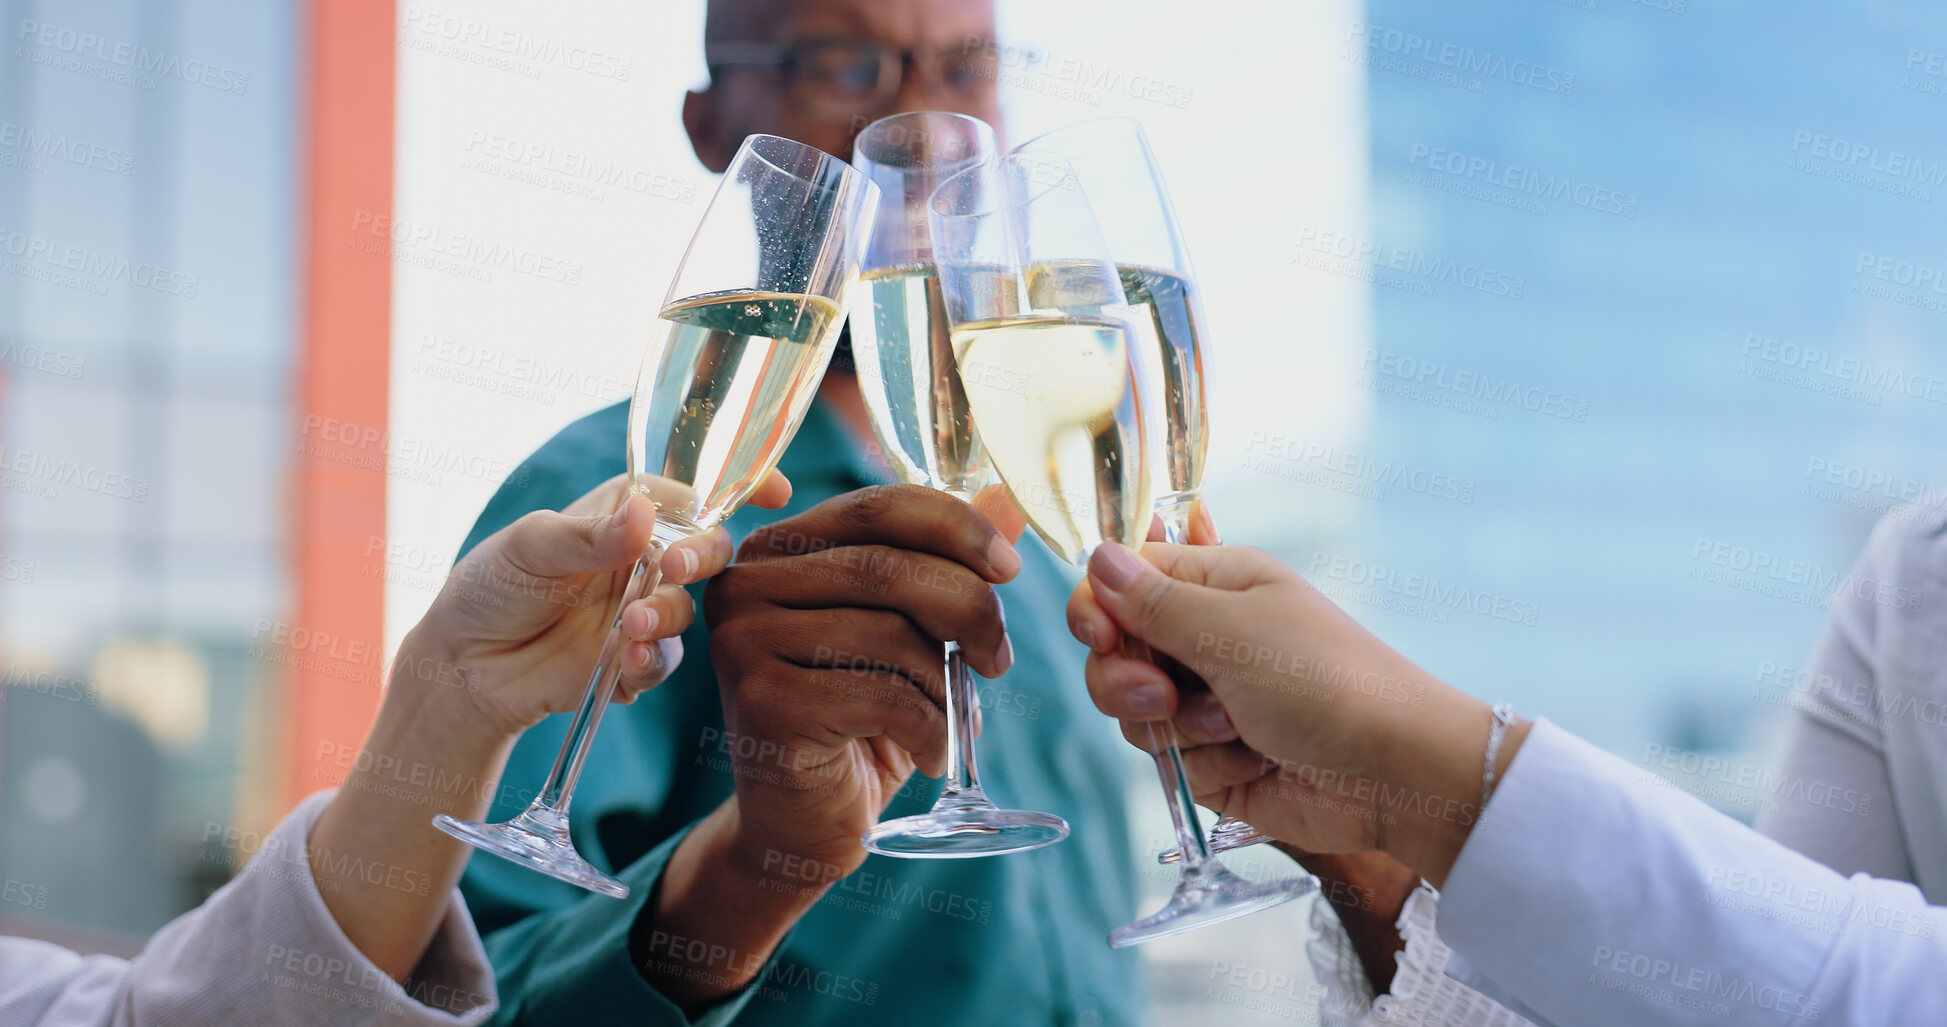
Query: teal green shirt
(1016, 939)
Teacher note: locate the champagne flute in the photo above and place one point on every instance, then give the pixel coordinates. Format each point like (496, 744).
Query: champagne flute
(1112, 158)
(919, 414)
(1056, 388)
(742, 342)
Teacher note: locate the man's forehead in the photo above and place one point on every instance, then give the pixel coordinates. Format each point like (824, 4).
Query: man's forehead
(907, 22)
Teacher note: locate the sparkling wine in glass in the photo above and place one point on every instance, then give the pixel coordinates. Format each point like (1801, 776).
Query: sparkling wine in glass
(741, 344)
(1057, 385)
(919, 414)
(1113, 160)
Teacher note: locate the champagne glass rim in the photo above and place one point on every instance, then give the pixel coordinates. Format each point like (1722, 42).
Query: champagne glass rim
(984, 133)
(1065, 179)
(755, 144)
(1158, 238)
(1100, 131)
(928, 114)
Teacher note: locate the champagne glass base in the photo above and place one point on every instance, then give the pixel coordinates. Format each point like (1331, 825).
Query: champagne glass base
(1227, 835)
(538, 840)
(1208, 895)
(964, 827)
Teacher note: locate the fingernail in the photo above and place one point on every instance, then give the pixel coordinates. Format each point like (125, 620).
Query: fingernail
(1216, 723)
(1002, 557)
(689, 564)
(639, 656)
(1004, 656)
(645, 619)
(1148, 700)
(1085, 630)
(1114, 566)
(621, 513)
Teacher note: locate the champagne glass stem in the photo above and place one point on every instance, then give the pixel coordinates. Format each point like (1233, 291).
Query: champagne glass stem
(962, 706)
(1176, 531)
(560, 787)
(1228, 832)
(1176, 518)
(963, 821)
(1176, 783)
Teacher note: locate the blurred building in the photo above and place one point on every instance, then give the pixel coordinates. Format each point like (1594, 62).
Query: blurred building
(1640, 390)
(169, 326)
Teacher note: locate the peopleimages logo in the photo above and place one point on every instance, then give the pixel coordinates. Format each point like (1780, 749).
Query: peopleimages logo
(87, 46)
(1464, 59)
(1354, 466)
(1524, 182)
(1865, 157)
(416, 459)
(1845, 369)
(40, 358)
(50, 684)
(1801, 581)
(1072, 77)
(35, 146)
(1925, 71)
(1700, 769)
(435, 27)
(1376, 584)
(1385, 365)
(1315, 244)
(1828, 909)
(85, 268)
(570, 171)
(1900, 281)
(1880, 484)
(1860, 701)
(53, 470)
(1901, 272)
(1693, 986)
(512, 374)
(18, 893)
(469, 256)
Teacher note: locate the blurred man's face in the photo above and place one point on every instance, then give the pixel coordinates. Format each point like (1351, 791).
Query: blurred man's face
(818, 71)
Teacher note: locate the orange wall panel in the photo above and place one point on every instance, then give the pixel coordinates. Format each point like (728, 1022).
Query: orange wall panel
(335, 637)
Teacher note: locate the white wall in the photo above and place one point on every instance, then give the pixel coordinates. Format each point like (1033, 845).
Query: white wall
(485, 371)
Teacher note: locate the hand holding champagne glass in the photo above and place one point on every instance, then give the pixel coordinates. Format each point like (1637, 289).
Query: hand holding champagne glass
(1054, 385)
(742, 343)
(919, 414)
(1112, 158)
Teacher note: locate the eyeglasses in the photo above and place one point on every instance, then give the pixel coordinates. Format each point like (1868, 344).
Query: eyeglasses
(861, 74)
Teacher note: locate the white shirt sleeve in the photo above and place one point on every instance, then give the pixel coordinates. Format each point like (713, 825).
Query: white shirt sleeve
(263, 950)
(1836, 738)
(1588, 895)
(1859, 835)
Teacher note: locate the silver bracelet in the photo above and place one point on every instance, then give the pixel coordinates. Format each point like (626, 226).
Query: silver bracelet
(1503, 716)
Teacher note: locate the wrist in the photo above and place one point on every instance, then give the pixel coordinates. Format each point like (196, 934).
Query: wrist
(434, 681)
(792, 881)
(1361, 884)
(730, 898)
(430, 749)
(1429, 760)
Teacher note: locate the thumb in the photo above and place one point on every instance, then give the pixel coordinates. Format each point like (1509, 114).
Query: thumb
(1168, 611)
(546, 544)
